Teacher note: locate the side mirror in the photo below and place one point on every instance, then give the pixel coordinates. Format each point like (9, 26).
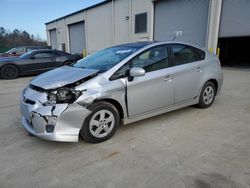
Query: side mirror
(136, 72)
(13, 53)
(32, 57)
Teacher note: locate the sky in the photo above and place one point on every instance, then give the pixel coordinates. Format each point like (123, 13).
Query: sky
(31, 15)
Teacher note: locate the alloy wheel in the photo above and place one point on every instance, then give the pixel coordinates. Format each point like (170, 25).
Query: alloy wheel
(208, 95)
(101, 123)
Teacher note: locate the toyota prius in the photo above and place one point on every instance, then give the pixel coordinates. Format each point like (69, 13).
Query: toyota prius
(118, 85)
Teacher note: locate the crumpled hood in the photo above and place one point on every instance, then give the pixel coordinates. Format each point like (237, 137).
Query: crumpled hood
(61, 76)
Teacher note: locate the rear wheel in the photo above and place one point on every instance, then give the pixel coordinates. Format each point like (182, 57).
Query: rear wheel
(9, 72)
(207, 95)
(101, 124)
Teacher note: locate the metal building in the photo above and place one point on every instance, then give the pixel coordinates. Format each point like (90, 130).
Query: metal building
(205, 23)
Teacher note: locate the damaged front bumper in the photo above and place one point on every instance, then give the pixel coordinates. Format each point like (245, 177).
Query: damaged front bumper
(59, 122)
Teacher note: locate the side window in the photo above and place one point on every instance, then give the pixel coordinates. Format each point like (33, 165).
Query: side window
(183, 54)
(57, 54)
(121, 72)
(44, 55)
(30, 49)
(153, 59)
(19, 51)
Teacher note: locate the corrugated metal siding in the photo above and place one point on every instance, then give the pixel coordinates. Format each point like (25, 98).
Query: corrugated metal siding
(105, 26)
(53, 38)
(188, 16)
(122, 21)
(99, 27)
(235, 18)
(77, 37)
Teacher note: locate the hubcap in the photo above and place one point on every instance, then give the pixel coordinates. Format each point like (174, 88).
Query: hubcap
(208, 95)
(101, 123)
(9, 72)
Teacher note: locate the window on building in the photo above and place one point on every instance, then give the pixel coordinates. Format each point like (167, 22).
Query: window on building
(183, 54)
(141, 23)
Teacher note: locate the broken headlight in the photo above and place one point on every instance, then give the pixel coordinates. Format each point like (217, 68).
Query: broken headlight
(63, 95)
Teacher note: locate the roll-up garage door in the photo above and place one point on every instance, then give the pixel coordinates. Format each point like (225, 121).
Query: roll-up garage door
(53, 39)
(188, 16)
(235, 18)
(77, 37)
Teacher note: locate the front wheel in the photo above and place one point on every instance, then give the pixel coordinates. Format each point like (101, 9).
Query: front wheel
(207, 95)
(101, 124)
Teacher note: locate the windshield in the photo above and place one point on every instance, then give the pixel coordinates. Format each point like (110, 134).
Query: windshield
(105, 59)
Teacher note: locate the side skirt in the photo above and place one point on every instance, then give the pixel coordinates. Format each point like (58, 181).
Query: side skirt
(161, 111)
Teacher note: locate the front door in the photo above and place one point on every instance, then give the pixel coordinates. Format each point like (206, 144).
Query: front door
(39, 62)
(155, 89)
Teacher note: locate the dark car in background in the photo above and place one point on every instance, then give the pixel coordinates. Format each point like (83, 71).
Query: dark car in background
(34, 62)
(18, 51)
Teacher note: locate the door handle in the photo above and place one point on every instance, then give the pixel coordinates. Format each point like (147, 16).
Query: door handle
(199, 69)
(169, 78)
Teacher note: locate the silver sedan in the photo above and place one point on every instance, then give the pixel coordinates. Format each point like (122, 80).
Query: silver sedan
(118, 85)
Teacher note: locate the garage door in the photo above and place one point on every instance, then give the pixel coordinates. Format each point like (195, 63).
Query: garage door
(53, 39)
(235, 18)
(188, 16)
(77, 37)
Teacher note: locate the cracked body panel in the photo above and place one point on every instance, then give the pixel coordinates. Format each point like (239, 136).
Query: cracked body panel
(66, 119)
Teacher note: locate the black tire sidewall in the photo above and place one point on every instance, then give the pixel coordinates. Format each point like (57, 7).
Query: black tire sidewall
(85, 131)
(201, 103)
(3, 69)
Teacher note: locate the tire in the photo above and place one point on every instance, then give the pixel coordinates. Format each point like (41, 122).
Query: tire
(101, 124)
(9, 72)
(207, 95)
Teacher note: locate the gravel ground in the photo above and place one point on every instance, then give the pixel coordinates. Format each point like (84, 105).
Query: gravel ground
(191, 148)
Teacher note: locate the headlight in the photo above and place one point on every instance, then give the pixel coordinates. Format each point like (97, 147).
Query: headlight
(63, 95)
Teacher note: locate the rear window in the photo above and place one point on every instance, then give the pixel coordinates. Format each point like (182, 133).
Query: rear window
(183, 54)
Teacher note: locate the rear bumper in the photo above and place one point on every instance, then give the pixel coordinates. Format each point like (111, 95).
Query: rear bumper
(220, 82)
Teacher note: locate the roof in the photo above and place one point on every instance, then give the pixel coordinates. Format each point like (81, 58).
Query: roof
(43, 50)
(136, 44)
(79, 11)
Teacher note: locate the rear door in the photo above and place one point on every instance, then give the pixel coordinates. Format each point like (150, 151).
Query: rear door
(59, 59)
(188, 71)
